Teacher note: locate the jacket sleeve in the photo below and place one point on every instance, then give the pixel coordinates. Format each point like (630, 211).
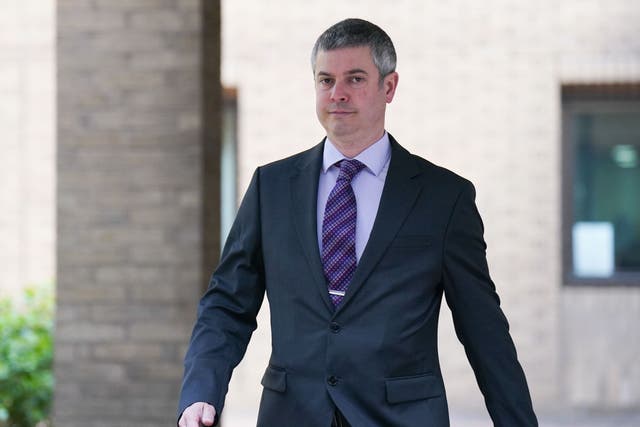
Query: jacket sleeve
(227, 311)
(479, 322)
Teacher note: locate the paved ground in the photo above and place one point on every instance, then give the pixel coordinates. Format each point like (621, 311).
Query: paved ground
(571, 418)
(547, 419)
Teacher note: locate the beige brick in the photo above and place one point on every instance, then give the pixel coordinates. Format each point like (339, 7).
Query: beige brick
(161, 291)
(128, 352)
(91, 371)
(164, 60)
(26, 158)
(64, 353)
(88, 332)
(158, 331)
(126, 42)
(68, 412)
(155, 370)
(157, 19)
(188, 4)
(127, 5)
(72, 20)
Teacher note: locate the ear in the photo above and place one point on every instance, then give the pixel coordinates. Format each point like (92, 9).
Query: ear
(389, 84)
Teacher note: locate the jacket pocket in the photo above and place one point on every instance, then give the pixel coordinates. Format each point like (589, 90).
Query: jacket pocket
(406, 389)
(274, 379)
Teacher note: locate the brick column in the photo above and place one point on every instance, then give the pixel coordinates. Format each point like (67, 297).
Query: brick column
(132, 222)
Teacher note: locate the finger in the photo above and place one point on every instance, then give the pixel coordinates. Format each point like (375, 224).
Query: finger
(186, 420)
(192, 416)
(208, 414)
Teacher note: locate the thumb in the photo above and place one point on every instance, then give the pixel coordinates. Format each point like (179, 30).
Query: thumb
(208, 414)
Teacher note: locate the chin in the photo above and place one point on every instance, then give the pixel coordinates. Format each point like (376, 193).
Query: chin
(341, 131)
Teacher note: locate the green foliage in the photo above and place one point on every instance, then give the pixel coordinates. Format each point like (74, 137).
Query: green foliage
(26, 379)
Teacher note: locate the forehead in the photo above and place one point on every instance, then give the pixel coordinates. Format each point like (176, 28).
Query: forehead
(343, 60)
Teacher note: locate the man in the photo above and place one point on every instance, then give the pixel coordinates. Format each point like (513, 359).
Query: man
(354, 241)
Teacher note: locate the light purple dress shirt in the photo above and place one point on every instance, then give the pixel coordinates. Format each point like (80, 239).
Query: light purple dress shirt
(367, 186)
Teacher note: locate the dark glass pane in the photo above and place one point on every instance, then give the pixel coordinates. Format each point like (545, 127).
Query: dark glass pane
(606, 193)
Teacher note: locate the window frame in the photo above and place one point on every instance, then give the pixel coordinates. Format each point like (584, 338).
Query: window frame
(589, 98)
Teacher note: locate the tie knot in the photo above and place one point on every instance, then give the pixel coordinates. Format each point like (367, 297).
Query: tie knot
(349, 169)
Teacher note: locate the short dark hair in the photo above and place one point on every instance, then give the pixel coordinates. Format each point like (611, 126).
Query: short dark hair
(355, 32)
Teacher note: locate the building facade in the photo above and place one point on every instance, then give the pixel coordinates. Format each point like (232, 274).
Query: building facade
(480, 92)
(138, 107)
(493, 90)
(27, 145)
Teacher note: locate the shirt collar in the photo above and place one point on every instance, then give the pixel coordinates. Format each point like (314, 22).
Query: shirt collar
(375, 157)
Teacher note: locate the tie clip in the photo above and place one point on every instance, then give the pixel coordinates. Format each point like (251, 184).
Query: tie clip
(337, 293)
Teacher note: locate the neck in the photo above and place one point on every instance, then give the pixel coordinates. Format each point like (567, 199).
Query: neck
(350, 147)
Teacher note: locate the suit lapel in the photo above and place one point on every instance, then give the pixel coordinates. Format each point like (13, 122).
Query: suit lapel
(399, 194)
(304, 192)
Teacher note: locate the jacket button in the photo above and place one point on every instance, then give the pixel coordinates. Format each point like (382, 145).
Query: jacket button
(335, 328)
(332, 380)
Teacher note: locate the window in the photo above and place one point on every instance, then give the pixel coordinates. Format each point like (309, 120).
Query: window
(601, 141)
(228, 163)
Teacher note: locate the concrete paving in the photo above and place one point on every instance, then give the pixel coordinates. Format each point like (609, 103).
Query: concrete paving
(558, 418)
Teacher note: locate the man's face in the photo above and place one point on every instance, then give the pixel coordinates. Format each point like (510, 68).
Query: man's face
(350, 102)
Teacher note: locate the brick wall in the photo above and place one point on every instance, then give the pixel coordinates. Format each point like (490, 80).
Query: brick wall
(27, 159)
(131, 177)
(478, 93)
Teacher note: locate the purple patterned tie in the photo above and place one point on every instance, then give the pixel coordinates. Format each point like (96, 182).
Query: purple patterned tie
(339, 232)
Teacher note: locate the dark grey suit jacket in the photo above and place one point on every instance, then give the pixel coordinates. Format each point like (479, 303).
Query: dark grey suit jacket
(375, 357)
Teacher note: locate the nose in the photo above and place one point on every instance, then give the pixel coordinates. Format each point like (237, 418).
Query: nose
(338, 93)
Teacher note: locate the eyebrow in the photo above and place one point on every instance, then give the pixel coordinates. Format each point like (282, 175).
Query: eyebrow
(356, 71)
(349, 72)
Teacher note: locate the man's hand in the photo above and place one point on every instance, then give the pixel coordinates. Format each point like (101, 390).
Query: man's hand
(198, 414)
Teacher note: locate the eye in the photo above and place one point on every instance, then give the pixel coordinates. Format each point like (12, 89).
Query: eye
(357, 79)
(326, 81)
